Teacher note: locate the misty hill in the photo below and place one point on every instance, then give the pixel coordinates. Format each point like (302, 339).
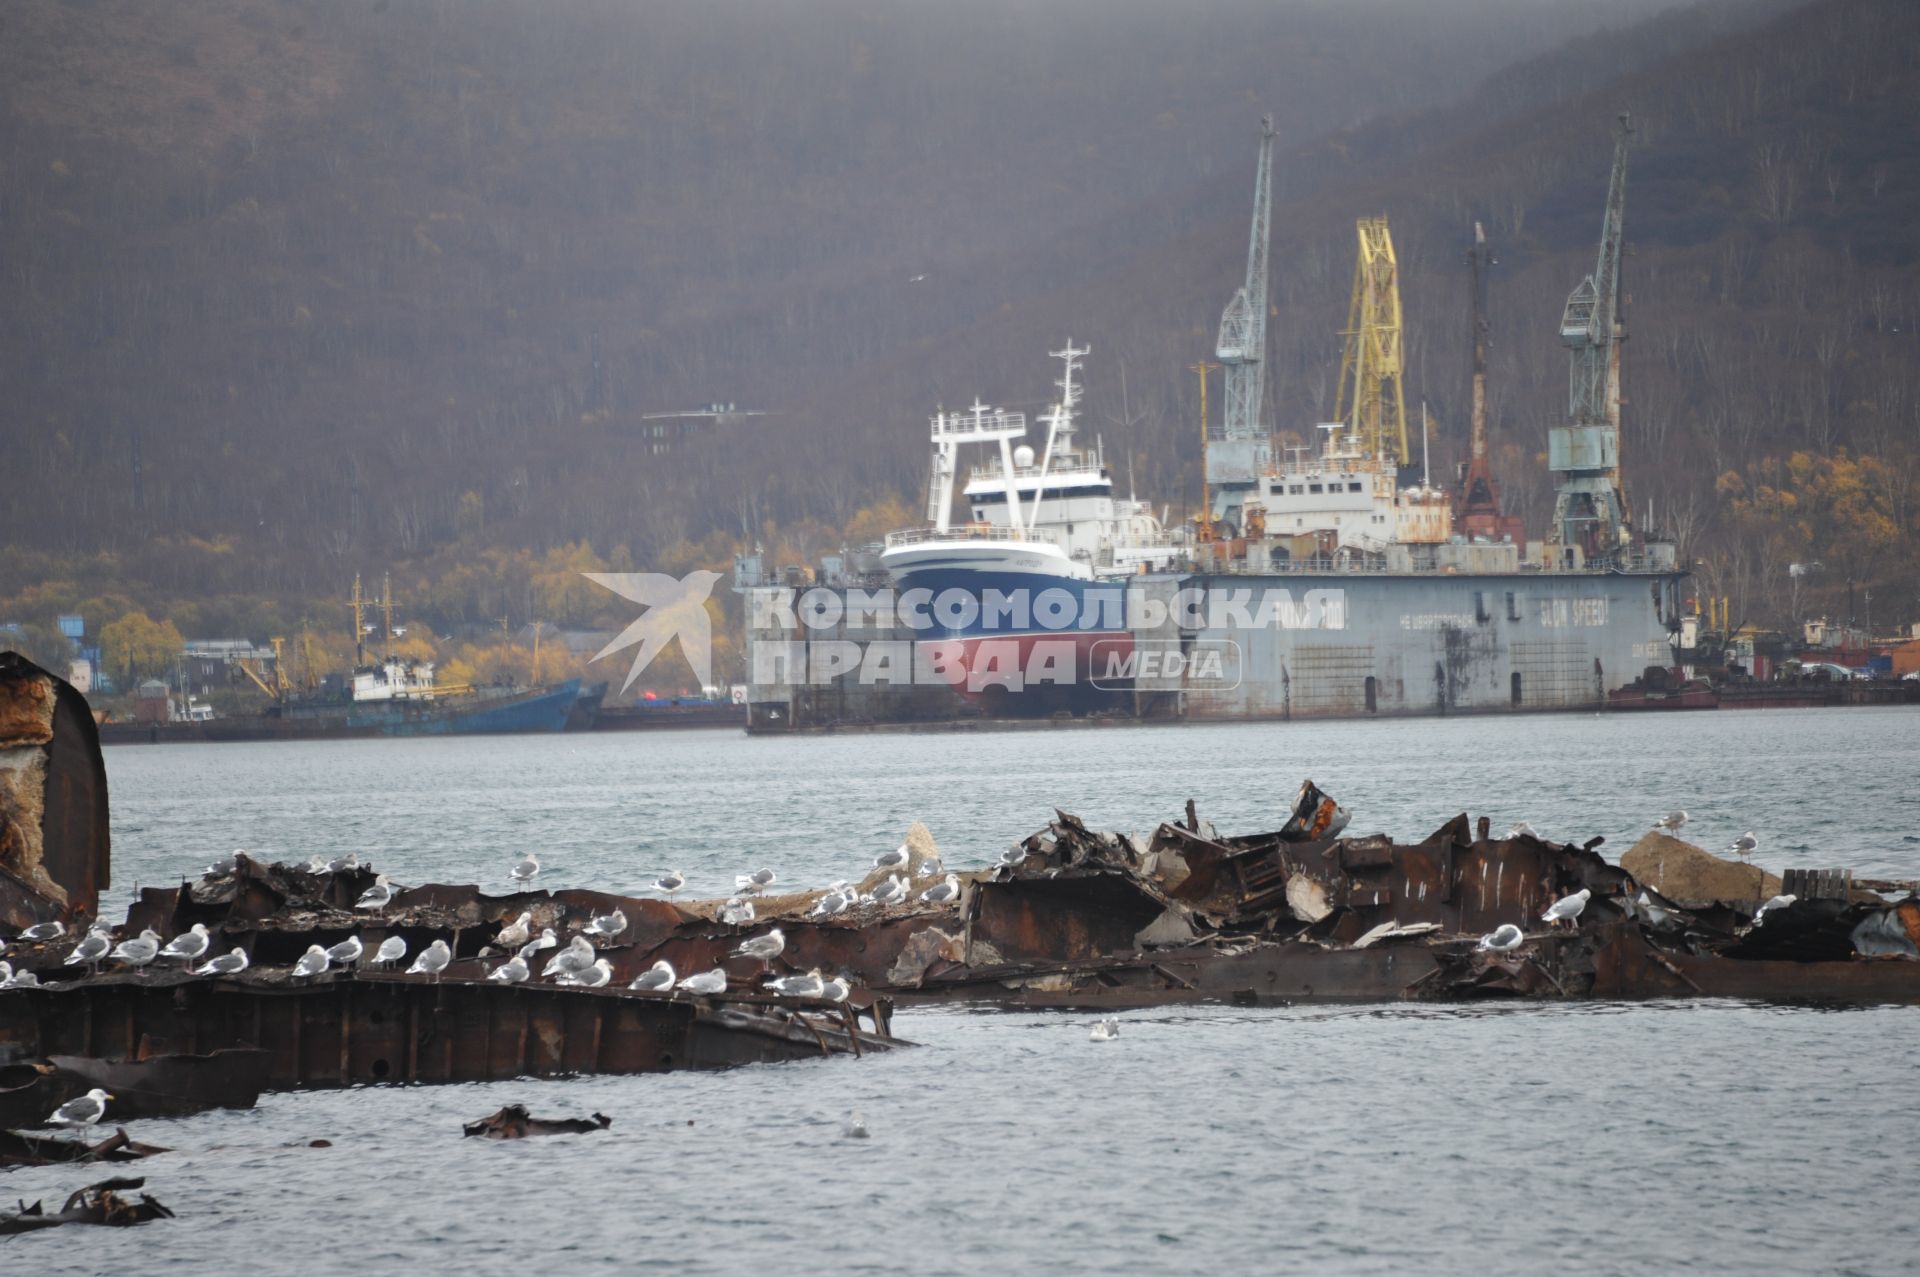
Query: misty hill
(300, 289)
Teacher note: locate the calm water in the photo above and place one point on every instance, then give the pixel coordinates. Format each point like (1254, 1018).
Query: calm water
(1709, 1137)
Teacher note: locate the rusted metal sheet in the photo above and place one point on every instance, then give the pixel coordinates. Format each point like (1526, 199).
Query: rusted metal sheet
(54, 839)
(376, 1028)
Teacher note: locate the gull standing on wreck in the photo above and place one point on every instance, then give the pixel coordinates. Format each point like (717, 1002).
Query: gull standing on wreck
(85, 1111)
(891, 859)
(525, 869)
(1778, 902)
(517, 932)
(232, 962)
(44, 931)
(670, 883)
(655, 979)
(512, 971)
(93, 947)
(595, 976)
(1671, 823)
(607, 926)
(577, 956)
(706, 983)
(312, 963)
(890, 892)
(1567, 908)
(755, 883)
(943, 892)
(545, 940)
(190, 945)
(1502, 938)
(347, 952)
(341, 864)
(763, 949)
(1744, 846)
(432, 960)
(1522, 829)
(798, 986)
(378, 896)
(140, 950)
(736, 912)
(834, 902)
(391, 950)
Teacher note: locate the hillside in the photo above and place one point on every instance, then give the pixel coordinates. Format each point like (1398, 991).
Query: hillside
(304, 289)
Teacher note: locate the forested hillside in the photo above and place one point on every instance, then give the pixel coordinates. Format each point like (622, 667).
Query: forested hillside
(296, 290)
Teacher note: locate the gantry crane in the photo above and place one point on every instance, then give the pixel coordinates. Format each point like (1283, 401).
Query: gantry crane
(1236, 459)
(1371, 403)
(1590, 510)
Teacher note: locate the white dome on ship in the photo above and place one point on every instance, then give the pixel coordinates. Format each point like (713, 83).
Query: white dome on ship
(1023, 456)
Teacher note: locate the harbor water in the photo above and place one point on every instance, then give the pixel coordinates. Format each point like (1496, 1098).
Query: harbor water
(1707, 1137)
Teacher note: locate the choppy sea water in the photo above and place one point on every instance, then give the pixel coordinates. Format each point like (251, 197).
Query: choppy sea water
(1709, 1137)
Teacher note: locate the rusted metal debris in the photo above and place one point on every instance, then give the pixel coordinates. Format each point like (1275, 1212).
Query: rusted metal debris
(54, 846)
(156, 1086)
(95, 1204)
(514, 1123)
(20, 1149)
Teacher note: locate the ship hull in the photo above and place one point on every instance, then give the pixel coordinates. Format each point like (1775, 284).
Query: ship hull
(540, 710)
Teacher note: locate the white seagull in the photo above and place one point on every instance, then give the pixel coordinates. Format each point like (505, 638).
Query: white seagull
(340, 864)
(432, 960)
(517, 932)
(1745, 845)
(232, 962)
(312, 963)
(1672, 822)
(736, 912)
(1104, 1031)
(1567, 908)
(391, 950)
(670, 883)
(377, 896)
(891, 859)
(929, 868)
(93, 947)
(830, 904)
(44, 931)
(225, 865)
(754, 883)
(763, 948)
(526, 869)
(798, 986)
(512, 971)
(190, 945)
(85, 1111)
(140, 950)
(592, 977)
(1778, 902)
(890, 892)
(1502, 938)
(19, 979)
(706, 983)
(655, 979)
(607, 926)
(1522, 830)
(347, 952)
(576, 957)
(836, 989)
(943, 892)
(545, 940)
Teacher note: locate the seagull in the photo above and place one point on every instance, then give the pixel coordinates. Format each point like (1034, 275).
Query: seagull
(891, 859)
(85, 1111)
(577, 956)
(830, 904)
(139, 951)
(341, 864)
(512, 971)
(836, 989)
(655, 979)
(391, 950)
(706, 983)
(1502, 938)
(225, 865)
(736, 912)
(316, 863)
(1104, 1031)
(856, 1127)
(377, 896)
(670, 883)
(1522, 830)
(798, 986)
(1567, 907)
(943, 892)
(190, 945)
(312, 963)
(607, 925)
(765, 948)
(45, 931)
(516, 933)
(930, 867)
(525, 869)
(754, 883)
(1778, 902)
(545, 940)
(1013, 855)
(890, 892)
(347, 952)
(591, 977)
(232, 962)
(1672, 821)
(19, 979)
(1745, 845)
(93, 947)
(432, 960)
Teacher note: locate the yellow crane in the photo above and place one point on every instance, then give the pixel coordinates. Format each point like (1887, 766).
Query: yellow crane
(1205, 519)
(1371, 403)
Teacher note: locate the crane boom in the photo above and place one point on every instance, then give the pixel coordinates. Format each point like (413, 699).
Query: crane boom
(1243, 324)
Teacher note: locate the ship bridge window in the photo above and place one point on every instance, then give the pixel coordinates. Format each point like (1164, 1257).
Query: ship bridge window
(1313, 487)
(1354, 486)
(1295, 489)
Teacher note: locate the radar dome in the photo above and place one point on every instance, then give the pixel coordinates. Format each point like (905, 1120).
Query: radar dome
(1023, 456)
